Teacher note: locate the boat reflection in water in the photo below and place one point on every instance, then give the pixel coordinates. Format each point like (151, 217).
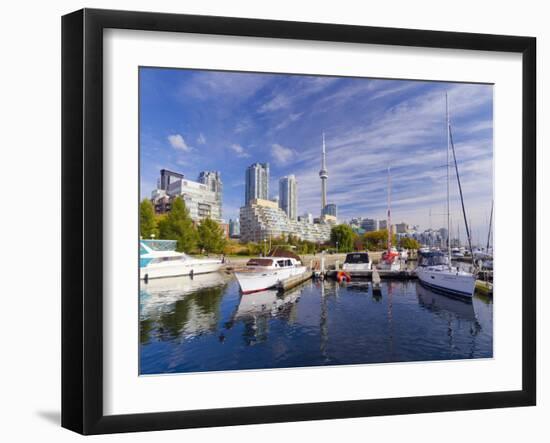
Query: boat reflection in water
(207, 324)
(450, 308)
(444, 304)
(180, 306)
(258, 309)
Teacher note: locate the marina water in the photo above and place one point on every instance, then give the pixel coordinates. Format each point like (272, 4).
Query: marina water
(206, 324)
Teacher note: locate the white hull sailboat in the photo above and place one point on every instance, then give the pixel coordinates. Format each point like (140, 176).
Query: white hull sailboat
(450, 280)
(266, 273)
(434, 269)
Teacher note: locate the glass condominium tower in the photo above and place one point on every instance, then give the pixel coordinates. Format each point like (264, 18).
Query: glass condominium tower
(256, 182)
(288, 201)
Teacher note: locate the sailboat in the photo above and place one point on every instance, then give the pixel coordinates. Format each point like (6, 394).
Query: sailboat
(435, 270)
(390, 260)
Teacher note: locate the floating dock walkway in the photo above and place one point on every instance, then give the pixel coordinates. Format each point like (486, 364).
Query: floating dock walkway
(292, 282)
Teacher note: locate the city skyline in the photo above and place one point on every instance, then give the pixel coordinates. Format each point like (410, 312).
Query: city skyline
(204, 120)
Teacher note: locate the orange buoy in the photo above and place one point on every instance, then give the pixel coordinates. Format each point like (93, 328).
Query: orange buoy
(343, 276)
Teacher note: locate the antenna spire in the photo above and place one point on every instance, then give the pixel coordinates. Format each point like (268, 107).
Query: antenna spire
(323, 174)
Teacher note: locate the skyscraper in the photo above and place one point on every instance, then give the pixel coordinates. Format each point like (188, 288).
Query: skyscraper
(323, 174)
(213, 181)
(288, 200)
(256, 182)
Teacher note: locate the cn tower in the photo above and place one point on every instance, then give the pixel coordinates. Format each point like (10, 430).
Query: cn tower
(323, 174)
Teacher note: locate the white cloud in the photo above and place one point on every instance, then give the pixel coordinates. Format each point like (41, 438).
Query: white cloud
(215, 85)
(410, 137)
(278, 102)
(243, 125)
(178, 142)
(201, 140)
(281, 154)
(287, 121)
(239, 150)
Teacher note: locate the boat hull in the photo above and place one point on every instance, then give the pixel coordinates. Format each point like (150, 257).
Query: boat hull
(265, 279)
(393, 266)
(357, 267)
(164, 270)
(452, 283)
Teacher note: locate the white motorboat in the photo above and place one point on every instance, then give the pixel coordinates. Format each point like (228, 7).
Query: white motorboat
(357, 262)
(457, 253)
(435, 269)
(435, 272)
(267, 272)
(159, 259)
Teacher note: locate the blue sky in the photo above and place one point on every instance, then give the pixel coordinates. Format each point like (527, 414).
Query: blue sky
(193, 120)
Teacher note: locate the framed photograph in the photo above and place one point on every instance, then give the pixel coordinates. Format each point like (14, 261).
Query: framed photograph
(268, 221)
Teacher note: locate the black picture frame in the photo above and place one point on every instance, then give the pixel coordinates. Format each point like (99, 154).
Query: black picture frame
(82, 231)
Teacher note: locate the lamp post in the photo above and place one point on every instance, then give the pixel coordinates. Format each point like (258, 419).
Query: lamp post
(265, 246)
(337, 247)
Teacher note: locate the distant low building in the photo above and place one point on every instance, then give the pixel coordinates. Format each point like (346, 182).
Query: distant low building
(330, 209)
(307, 217)
(382, 224)
(403, 228)
(263, 219)
(330, 219)
(370, 224)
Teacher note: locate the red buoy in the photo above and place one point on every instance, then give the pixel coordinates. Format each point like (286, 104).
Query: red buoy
(343, 276)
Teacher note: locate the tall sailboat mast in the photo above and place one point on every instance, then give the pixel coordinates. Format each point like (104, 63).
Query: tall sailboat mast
(448, 181)
(490, 227)
(388, 218)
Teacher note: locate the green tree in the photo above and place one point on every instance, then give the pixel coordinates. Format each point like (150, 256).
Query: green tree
(344, 235)
(378, 240)
(177, 225)
(147, 222)
(211, 236)
(409, 243)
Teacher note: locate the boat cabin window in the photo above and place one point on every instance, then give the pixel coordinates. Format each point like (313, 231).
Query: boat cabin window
(433, 259)
(164, 259)
(284, 263)
(357, 258)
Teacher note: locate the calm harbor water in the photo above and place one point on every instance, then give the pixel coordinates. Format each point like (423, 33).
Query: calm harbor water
(205, 324)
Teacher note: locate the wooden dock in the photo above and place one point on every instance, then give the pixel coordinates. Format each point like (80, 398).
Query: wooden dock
(484, 287)
(382, 274)
(292, 282)
(376, 282)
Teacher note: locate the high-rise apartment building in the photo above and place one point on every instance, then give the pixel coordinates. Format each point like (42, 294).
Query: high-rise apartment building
(213, 181)
(256, 182)
(288, 196)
